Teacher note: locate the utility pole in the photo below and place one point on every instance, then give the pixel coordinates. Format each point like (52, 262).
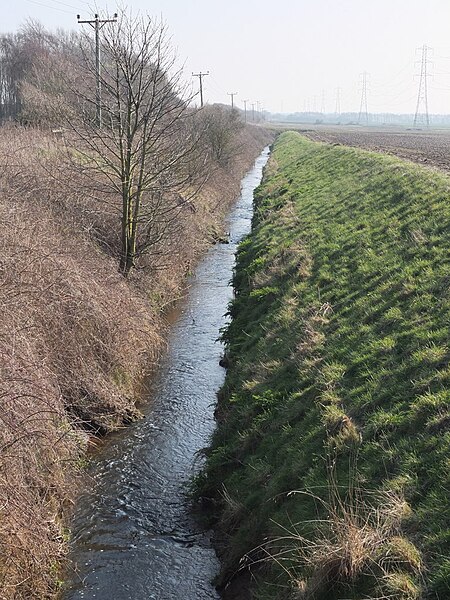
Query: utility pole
(259, 110)
(253, 111)
(363, 113)
(232, 94)
(98, 24)
(200, 77)
(245, 110)
(422, 96)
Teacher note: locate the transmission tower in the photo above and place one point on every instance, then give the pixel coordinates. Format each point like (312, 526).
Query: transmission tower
(322, 103)
(422, 117)
(338, 102)
(363, 113)
(232, 94)
(245, 110)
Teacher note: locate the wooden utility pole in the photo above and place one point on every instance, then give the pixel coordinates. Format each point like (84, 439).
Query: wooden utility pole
(253, 111)
(97, 24)
(232, 94)
(200, 77)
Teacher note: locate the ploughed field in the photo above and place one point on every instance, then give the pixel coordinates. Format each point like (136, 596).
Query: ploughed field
(425, 147)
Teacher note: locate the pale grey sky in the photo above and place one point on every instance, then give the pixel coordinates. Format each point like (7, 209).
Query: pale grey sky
(292, 54)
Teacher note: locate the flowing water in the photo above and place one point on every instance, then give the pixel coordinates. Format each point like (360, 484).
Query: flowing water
(134, 537)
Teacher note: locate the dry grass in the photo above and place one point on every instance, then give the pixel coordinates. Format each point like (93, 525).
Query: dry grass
(358, 537)
(69, 326)
(233, 510)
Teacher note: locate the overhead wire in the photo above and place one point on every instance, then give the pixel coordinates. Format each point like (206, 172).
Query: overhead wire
(64, 4)
(51, 7)
(219, 90)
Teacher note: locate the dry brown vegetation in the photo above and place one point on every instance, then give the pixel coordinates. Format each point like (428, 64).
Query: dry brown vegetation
(360, 538)
(75, 336)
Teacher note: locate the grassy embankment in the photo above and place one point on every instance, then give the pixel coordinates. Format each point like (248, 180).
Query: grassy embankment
(329, 469)
(75, 336)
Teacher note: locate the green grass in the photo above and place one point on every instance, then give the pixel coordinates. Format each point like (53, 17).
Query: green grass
(338, 384)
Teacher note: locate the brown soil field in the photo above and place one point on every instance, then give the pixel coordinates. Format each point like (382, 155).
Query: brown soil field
(429, 147)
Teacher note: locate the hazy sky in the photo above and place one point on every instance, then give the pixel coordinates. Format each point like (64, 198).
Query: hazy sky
(292, 54)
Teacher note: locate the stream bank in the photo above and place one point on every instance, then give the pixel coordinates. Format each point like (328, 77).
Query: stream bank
(327, 471)
(134, 536)
(76, 338)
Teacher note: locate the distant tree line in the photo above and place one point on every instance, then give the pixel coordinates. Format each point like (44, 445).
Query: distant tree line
(13, 62)
(18, 51)
(21, 56)
(353, 118)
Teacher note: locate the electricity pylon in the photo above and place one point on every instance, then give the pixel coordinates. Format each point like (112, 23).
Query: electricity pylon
(363, 113)
(338, 102)
(422, 117)
(200, 78)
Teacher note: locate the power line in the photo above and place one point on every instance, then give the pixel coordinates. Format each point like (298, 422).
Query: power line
(51, 7)
(64, 4)
(422, 95)
(216, 87)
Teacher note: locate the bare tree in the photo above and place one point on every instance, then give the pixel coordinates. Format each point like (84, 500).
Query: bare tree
(146, 156)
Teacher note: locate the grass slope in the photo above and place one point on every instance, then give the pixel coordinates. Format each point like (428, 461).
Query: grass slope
(338, 386)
